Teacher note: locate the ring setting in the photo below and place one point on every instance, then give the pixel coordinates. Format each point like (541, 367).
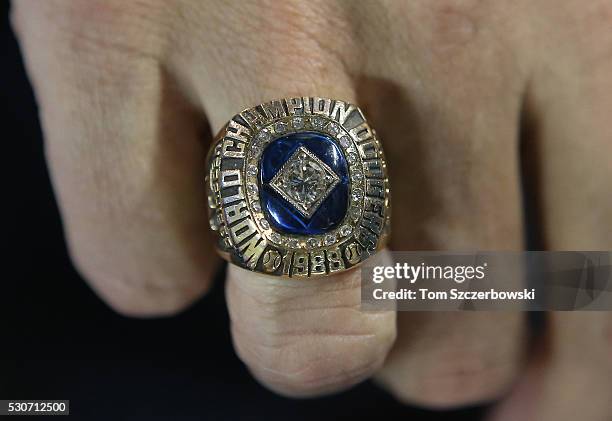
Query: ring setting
(298, 187)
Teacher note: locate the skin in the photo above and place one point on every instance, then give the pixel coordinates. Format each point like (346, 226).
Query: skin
(130, 92)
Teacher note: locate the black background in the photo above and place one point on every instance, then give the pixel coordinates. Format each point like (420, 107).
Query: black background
(59, 341)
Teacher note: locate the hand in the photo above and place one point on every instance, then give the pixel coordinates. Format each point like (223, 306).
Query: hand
(456, 90)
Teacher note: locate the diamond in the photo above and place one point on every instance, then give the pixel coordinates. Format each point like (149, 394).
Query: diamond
(345, 142)
(264, 224)
(333, 128)
(280, 127)
(304, 181)
(313, 242)
(318, 122)
(252, 170)
(345, 230)
(357, 176)
(275, 237)
(264, 135)
(252, 189)
(356, 195)
(330, 239)
(256, 206)
(293, 243)
(297, 122)
(351, 158)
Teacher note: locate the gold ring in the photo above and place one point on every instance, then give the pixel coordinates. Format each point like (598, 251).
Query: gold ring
(298, 187)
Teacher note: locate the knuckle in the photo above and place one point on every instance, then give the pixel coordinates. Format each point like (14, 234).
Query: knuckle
(91, 28)
(306, 339)
(464, 385)
(138, 294)
(304, 57)
(307, 364)
(453, 24)
(290, 373)
(452, 384)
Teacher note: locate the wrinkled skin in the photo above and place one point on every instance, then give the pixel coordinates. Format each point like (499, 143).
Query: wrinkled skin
(128, 89)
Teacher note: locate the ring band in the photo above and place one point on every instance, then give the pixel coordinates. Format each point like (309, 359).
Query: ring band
(298, 187)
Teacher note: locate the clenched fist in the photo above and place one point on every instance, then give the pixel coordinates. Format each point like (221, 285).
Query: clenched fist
(485, 109)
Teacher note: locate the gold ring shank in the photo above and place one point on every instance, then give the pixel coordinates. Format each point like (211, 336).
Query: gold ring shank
(246, 235)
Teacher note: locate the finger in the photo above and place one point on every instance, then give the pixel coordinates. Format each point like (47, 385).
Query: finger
(569, 106)
(571, 376)
(123, 150)
(298, 337)
(303, 338)
(457, 168)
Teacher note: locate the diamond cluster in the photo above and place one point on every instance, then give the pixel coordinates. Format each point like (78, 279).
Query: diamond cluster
(304, 181)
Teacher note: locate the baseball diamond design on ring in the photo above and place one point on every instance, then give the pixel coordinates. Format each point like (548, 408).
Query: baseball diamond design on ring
(304, 181)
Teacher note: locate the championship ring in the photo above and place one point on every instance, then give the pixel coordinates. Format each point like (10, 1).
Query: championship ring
(298, 187)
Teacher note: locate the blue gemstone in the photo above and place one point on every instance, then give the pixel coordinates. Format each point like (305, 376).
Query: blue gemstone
(281, 215)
